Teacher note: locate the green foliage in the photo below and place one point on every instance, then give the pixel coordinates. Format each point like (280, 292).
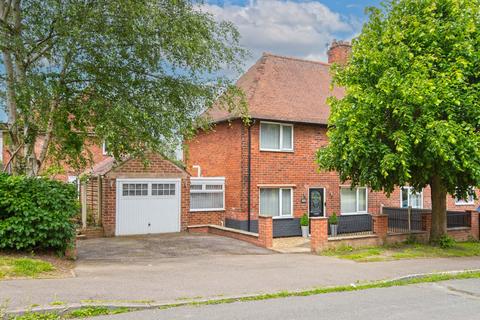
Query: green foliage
(36, 213)
(412, 104)
(446, 242)
(304, 221)
(86, 312)
(137, 73)
(37, 316)
(11, 267)
(333, 219)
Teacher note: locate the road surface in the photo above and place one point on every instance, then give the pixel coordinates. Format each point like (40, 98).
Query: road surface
(457, 299)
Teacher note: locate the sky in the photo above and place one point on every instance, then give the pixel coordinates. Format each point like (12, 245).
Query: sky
(298, 28)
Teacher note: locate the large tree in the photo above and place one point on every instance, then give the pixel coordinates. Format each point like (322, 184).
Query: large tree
(135, 73)
(411, 110)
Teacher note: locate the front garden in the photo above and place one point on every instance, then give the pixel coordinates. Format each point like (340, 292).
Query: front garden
(36, 226)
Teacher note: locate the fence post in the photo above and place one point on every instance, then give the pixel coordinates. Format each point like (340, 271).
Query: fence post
(409, 211)
(380, 226)
(474, 224)
(318, 233)
(265, 231)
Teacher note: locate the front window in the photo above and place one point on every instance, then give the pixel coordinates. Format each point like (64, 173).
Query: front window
(410, 198)
(207, 194)
(353, 201)
(276, 202)
(470, 200)
(276, 137)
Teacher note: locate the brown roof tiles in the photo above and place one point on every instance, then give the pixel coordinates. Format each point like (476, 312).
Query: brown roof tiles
(285, 89)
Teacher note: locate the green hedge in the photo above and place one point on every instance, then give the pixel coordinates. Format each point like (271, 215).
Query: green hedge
(36, 213)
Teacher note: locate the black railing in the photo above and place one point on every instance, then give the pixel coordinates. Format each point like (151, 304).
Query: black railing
(458, 219)
(403, 220)
(353, 225)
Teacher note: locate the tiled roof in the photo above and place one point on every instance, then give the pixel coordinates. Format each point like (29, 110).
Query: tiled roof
(285, 89)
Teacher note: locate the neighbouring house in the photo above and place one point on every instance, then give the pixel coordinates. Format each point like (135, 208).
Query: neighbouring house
(269, 167)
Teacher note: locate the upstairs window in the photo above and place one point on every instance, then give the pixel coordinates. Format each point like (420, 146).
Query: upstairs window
(411, 199)
(276, 137)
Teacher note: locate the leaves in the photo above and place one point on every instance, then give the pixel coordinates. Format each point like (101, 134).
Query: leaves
(36, 213)
(134, 73)
(411, 108)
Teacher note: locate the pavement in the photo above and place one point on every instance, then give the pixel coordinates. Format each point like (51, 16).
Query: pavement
(457, 299)
(186, 267)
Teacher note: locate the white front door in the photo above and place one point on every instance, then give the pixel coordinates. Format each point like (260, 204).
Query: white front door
(147, 206)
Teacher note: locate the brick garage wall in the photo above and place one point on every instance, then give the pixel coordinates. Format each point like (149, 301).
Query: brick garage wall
(157, 167)
(208, 217)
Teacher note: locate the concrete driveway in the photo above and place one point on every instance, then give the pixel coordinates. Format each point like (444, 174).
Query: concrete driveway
(152, 248)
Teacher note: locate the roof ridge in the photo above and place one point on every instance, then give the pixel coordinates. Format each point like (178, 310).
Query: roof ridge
(266, 54)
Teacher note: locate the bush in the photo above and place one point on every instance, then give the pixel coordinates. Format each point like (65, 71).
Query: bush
(333, 219)
(446, 242)
(304, 221)
(36, 213)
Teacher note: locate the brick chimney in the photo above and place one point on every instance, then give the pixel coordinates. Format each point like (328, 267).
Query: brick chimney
(339, 52)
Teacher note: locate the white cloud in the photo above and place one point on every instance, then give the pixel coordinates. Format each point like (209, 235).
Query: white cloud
(300, 29)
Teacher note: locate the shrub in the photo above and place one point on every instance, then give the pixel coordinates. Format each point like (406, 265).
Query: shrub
(333, 219)
(36, 213)
(446, 242)
(304, 221)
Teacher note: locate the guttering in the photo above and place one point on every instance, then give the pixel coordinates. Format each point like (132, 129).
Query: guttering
(249, 172)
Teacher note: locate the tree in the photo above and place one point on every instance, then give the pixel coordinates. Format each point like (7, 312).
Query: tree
(135, 73)
(411, 111)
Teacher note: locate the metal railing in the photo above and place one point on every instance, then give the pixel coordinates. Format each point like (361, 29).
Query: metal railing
(458, 219)
(404, 220)
(353, 225)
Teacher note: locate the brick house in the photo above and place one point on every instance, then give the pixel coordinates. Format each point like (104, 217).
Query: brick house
(269, 167)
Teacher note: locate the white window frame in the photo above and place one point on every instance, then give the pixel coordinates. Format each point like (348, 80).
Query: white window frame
(104, 148)
(280, 190)
(356, 201)
(281, 149)
(463, 202)
(408, 197)
(204, 181)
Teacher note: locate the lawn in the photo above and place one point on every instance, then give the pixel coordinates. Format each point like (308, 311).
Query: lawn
(404, 251)
(16, 266)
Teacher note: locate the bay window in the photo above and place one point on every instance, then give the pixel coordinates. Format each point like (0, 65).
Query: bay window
(276, 202)
(276, 136)
(353, 201)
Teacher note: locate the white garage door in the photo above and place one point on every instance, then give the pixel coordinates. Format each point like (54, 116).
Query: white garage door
(148, 206)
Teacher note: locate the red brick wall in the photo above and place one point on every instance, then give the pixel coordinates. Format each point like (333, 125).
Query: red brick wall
(219, 154)
(223, 152)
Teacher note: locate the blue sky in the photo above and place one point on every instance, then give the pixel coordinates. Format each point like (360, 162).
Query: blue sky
(299, 28)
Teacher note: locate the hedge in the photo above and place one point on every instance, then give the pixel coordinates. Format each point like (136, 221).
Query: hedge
(36, 213)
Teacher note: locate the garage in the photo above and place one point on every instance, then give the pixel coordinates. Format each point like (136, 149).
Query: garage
(147, 206)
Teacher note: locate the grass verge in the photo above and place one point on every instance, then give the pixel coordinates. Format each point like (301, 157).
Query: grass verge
(11, 267)
(95, 311)
(404, 251)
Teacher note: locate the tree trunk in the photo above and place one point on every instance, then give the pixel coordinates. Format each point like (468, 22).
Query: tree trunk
(439, 209)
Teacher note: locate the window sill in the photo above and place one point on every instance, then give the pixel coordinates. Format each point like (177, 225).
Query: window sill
(352, 213)
(282, 217)
(274, 150)
(464, 204)
(206, 210)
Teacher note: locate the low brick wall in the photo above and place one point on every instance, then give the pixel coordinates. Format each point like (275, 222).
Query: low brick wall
(91, 233)
(354, 241)
(206, 217)
(262, 239)
(460, 234)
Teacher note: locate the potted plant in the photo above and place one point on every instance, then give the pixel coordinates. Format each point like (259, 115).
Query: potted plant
(333, 222)
(304, 224)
